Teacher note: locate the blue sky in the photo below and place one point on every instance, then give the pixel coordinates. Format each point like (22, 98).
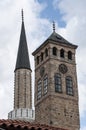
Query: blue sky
(51, 13)
(70, 19)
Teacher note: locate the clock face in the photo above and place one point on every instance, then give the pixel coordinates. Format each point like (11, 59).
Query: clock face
(42, 70)
(63, 68)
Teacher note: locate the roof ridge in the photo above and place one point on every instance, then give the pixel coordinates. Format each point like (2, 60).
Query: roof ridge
(22, 124)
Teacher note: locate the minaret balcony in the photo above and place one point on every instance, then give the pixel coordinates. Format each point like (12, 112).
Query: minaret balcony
(22, 114)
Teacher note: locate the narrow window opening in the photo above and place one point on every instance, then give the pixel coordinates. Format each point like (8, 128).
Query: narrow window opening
(69, 55)
(39, 90)
(45, 84)
(54, 51)
(69, 86)
(58, 87)
(46, 52)
(37, 60)
(42, 56)
(62, 53)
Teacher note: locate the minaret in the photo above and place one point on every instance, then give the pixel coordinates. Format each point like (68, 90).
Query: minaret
(22, 82)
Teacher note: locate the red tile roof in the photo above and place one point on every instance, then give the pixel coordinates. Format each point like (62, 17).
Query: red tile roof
(24, 125)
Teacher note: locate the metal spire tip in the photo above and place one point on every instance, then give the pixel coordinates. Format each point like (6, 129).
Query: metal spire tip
(22, 15)
(53, 26)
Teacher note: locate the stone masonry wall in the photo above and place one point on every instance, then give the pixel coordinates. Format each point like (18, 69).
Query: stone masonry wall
(22, 89)
(57, 109)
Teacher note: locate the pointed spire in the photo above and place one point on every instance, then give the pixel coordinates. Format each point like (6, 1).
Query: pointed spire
(23, 56)
(53, 26)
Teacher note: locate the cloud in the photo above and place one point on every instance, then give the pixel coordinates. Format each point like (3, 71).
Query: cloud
(37, 30)
(10, 26)
(84, 128)
(70, 9)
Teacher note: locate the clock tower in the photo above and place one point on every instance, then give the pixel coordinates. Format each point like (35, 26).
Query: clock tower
(56, 89)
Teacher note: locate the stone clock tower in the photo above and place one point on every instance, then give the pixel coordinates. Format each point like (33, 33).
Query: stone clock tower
(56, 89)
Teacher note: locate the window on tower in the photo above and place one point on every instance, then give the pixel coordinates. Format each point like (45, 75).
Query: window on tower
(69, 85)
(54, 51)
(42, 56)
(46, 52)
(45, 82)
(37, 60)
(69, 55)
(62, 53)
(39, 90)
(58, 87)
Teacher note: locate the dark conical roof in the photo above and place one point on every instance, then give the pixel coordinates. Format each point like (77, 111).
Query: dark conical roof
(58, 38)
(55, 38)
(23, 56)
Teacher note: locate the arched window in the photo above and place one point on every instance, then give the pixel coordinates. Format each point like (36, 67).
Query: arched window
(54, 51)
(39, 90)
(42, 56)
(37, 60)
(69, 55)
(58, 87)
(45, 82)
(69, 85)
(46, 52)
(62, 53)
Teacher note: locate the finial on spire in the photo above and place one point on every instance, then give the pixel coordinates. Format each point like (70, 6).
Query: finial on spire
(53, 26)
(22, 15)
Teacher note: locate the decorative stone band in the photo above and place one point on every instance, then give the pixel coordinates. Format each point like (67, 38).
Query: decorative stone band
(22, 114)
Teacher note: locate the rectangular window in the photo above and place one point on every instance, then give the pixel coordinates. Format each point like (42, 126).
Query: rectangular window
(39, 90)
(58, 87)
(45, 84)
(69, 86)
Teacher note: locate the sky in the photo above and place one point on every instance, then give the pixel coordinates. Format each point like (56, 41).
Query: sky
(70, 21)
